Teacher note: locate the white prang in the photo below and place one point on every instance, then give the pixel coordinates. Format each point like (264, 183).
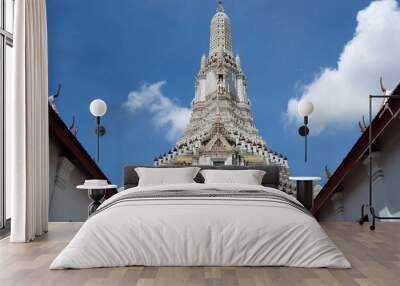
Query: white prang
(221, 130)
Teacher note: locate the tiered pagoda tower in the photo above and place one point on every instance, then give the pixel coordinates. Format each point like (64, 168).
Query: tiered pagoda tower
(221, 130)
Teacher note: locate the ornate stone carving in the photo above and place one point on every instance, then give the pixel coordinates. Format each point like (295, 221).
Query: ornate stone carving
(337, 203)
(63, 174)
(377, 168)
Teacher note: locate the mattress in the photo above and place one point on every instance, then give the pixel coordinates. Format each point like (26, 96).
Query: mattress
(201, 225)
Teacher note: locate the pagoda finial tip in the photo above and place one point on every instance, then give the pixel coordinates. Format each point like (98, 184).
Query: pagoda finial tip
(220, 8)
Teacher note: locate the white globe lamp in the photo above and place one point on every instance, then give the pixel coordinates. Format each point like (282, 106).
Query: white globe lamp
(305, 107)
(98, 108)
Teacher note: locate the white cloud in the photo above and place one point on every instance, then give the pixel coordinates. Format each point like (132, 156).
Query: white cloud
(165, 112)
(340, 94)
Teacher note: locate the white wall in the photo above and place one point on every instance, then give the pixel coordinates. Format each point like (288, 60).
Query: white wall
(66, 202)
(386, 189)
(211, 82)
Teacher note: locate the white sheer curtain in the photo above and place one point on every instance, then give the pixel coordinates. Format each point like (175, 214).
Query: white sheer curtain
(27, 143)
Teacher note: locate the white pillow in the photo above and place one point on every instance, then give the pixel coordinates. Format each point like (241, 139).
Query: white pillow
(248, 177)
(166, 176)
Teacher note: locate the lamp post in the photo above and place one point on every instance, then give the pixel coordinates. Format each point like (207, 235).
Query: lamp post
(305, 108)
(98, 108)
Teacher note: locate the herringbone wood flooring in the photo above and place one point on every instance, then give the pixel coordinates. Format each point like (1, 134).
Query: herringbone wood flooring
(375, 257)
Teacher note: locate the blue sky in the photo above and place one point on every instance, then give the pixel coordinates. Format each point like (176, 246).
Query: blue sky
(106, 49)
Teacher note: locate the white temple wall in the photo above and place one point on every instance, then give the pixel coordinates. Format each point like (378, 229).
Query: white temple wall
(231, 83)
(209, 160)
(239, 87)
(196, 92)
(211, 82)
(66, 203)
(386, 181)
(202, 85)
(228, 160)
(205, 161)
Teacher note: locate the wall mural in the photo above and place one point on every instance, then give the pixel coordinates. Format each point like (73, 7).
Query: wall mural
(163, 104)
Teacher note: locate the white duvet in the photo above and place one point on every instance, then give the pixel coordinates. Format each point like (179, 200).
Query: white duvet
(202, 231)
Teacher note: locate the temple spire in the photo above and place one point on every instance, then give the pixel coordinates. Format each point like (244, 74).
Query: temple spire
(220, 8)
(221, 129)
(220, 34)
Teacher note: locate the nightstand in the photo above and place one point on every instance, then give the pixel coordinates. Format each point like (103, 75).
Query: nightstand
(305, 190)
(96, 191)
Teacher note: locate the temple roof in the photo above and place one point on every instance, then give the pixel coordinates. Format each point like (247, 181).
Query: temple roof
(73, 149)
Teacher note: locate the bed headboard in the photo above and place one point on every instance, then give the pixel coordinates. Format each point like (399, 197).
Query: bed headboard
(271, 177)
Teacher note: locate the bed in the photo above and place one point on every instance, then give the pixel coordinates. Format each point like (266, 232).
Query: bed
(201, 224)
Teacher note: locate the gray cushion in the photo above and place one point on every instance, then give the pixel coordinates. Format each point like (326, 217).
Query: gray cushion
(270, 179)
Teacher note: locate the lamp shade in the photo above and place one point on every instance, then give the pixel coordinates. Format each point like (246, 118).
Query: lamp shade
(98, 107)
(305, 107)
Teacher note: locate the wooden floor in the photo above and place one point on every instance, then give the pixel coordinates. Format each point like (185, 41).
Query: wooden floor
(375, 257)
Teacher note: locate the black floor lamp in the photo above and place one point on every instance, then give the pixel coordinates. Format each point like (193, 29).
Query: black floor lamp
(364, 217)
(98, 108)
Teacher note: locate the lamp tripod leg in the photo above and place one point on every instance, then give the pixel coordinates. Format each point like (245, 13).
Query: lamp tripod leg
(364, 217)
(372, 210)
